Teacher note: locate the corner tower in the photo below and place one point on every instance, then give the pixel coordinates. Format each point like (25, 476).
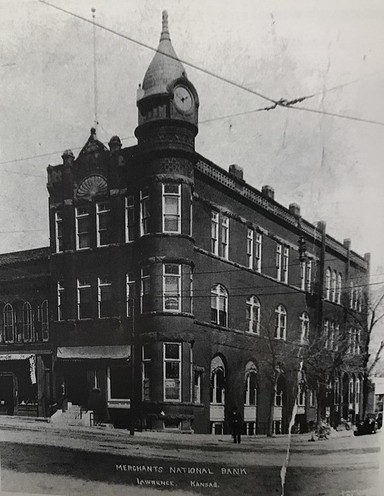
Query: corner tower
(165, 158)
(167, 97)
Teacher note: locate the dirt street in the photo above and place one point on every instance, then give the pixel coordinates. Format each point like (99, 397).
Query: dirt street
(40, 459)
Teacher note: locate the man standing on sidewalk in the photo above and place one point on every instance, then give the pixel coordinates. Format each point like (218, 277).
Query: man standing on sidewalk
(236, 422)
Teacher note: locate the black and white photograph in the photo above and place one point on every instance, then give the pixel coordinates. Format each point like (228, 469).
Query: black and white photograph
(191, 247)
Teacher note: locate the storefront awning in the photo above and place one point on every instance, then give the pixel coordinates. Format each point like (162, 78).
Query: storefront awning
(93, 352)
(15, 356)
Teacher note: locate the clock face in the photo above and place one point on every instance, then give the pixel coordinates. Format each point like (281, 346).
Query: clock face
(183, 98)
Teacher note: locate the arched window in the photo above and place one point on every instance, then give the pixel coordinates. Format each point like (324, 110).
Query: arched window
(327, 284)
(304, 321)
(281, 322)
(338, 292)
(250, 389)
(27, 322)
(253, 314)
(217, 381)
(44, 320)
(360, 300)
(351, 294)
(219, 305)
(334, 286)
(9, 323)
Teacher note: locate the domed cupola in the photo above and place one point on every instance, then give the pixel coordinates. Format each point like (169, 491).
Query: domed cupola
(166, 92)
(165, 66)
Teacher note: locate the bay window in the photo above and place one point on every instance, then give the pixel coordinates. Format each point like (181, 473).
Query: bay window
(172, 372)
(171, 208)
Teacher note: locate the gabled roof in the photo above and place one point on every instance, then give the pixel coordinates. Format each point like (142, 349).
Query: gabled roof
(93, 145)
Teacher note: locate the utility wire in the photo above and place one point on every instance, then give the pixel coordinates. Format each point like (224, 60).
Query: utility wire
(140, 43)
(205, 121)
(276, 103)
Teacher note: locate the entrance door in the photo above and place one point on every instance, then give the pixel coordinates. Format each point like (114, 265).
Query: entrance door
(75, 378)
(8, 393)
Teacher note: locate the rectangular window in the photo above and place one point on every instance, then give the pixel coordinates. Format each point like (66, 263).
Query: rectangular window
(197, 386)
(84, 300)
(144, 211)
(191, 216)
(258, 251)
(311, 397)
(59, 231)
(285, 264)
(60, 301)
(145, 290)
(214, 233)
(326, 334)
(337, 337)
(129, 218)
(103, 224)
(308, 276)
(95, 379)
(331, 335)
(130, 295)
(118, 383)
(278, 261)
(250, 246)
(44, 319)
(349, 349)
(146, 361)
(104, 299)
(172, 287)
(302, 274)
(172, 372)
(358, 342)
(171, 208)
(224, 237)
(83, 239)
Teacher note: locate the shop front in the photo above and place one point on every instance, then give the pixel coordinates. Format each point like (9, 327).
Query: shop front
(96, 378)
(25, 384)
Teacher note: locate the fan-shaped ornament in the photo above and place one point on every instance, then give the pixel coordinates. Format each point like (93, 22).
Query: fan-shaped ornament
(92, 186)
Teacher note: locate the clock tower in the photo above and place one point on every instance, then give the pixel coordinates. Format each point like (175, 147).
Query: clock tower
(166, 97)
(165, 159)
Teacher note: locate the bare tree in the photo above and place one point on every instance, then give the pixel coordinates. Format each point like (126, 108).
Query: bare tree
(323, 357)
(281, 357)
(367, 321)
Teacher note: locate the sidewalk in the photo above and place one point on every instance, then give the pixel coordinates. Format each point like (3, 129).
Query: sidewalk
(168, 437)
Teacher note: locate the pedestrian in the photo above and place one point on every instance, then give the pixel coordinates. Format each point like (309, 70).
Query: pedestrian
(236, 422)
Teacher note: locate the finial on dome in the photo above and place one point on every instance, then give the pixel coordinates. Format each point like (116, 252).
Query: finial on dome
(165, 31)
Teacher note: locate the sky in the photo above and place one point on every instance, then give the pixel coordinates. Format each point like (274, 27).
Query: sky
(331, 166)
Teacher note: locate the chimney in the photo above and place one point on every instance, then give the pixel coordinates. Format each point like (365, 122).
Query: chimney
(294, 208)
(236, 171)
(115, 144)
(347, 243)
(268, 192)
(68, 157)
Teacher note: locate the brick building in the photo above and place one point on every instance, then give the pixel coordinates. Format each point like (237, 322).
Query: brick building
(177, 290)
